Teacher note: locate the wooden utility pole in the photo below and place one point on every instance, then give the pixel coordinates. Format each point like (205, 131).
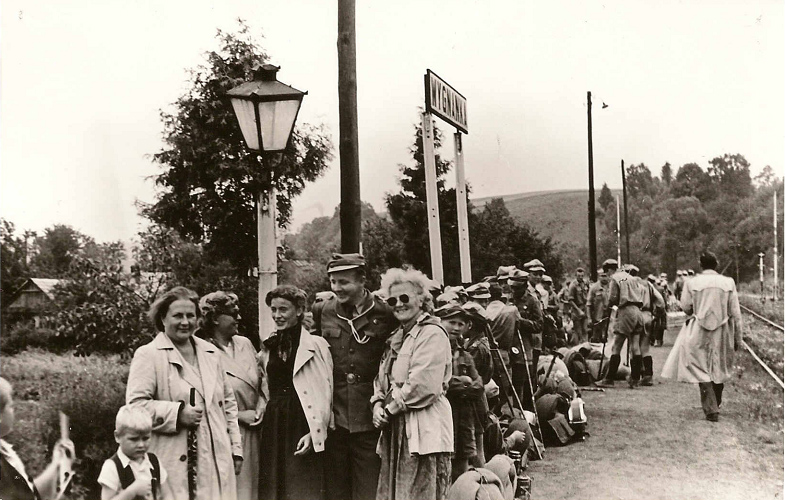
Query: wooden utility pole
(593, 265)
(776, 289)
(625, 208)
(432, 199)
(348, 128)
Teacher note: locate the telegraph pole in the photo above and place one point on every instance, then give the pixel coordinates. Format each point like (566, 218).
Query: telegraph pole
(593, 265)
(625, 204)
(775, 246)
(349, 156)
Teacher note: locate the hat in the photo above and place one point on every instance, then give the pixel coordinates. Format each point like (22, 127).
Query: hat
(504, 272)
(345, 261)
(323, 296)
(447, 298)
(449, 310)
(475, 311)
(534, 265)
(630, 268)
(518, 278)
(490, 279)
(434, 285)
(652, 278)
(580, 269)
(479, 291)
(610, 262)
(691, 272)
(547, 279)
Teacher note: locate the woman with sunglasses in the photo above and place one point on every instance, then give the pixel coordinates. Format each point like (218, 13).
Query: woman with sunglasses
(220, 314)
(409, 402)
(297, 376)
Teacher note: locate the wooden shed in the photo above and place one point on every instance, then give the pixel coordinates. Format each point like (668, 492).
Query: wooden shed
(32, 300)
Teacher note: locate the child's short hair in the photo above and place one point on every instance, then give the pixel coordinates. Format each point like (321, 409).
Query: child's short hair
(130, 418)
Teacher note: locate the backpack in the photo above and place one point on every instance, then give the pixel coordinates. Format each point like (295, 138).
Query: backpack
(127, 478)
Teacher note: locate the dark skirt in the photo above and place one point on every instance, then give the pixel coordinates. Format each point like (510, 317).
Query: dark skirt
(282, 475)
(404, 476)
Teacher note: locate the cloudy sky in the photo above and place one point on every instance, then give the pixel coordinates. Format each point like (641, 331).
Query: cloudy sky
(82, 83)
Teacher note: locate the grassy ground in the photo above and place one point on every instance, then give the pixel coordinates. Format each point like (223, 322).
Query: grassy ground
(770, 309)
(654, 443)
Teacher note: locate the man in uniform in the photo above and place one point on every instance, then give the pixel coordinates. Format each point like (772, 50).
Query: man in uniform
(625, 292)
(479, 293)
(356, 324)
(577, 301)
(713, 333)
(597, 297)
(502, 319)
(536, 270)
(530, 327)
(651, 307)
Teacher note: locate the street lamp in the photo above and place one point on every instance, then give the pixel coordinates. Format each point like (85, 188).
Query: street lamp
(266, 110)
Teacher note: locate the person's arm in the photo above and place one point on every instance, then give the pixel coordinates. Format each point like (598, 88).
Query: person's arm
(686, 300)
(426, 372)
(230, 412)
(572, 292)
(614, 297)
(142, 391)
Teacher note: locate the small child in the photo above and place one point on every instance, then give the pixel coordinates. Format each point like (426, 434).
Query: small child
(14, 481)
(132, 472)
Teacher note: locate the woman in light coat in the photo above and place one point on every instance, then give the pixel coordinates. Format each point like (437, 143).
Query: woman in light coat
(297, 382)
(164, 374)
(409, 401)
(220, 314)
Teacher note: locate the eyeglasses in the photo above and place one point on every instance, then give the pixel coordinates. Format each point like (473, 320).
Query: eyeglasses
(403, 298)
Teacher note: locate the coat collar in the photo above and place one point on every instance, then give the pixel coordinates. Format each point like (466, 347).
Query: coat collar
(236, 367)
(305, 351)
(207, 369)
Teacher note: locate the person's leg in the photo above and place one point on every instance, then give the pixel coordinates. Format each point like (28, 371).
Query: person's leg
(708, 402)
(646, 359)
(365, 465)
(479, 460)
(718, 389)
(458, 466)
(614, 362)
(338, 465)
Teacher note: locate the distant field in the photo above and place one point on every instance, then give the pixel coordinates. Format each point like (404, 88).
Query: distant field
(559, 214)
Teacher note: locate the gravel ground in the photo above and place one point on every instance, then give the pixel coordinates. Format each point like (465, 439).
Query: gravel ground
(654, 443)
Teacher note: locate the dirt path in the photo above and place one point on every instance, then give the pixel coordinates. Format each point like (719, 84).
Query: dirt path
(654, 443)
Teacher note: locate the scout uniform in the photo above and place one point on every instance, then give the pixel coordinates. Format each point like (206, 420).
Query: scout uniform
(626, 292)
(356, 336)
(577, 301)
(530, 327)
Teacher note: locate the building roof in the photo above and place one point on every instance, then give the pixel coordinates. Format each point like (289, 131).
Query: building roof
(46, 285)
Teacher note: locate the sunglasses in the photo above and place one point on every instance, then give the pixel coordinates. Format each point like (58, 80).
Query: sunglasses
(403, 298)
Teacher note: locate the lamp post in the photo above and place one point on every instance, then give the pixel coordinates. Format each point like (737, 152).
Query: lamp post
(266, 110)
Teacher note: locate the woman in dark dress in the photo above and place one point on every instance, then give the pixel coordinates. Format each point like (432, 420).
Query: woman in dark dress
(297, 375)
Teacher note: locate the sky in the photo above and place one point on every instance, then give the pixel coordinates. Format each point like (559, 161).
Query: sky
(82, 84)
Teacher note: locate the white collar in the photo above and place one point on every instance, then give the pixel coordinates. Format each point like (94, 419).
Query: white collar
(124, 460)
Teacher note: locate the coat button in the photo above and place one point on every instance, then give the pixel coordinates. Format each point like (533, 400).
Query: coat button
(351, 350)
(182, 458)
(159, 420)
(221, 404)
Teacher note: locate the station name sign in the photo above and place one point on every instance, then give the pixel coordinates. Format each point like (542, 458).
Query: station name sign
(445, 101)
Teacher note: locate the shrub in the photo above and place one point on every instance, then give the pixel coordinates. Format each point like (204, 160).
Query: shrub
(89, 390)
(24, 335)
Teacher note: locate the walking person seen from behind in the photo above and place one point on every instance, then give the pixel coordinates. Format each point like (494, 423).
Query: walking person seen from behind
(704, 350)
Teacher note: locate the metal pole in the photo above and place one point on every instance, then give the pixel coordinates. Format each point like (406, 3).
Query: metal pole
(619, 251)
(591, 203)
(776, 288)
(432, 202)
(348, 128)
(461, 205)
(267, 249)
(625, 203)
(761, 274)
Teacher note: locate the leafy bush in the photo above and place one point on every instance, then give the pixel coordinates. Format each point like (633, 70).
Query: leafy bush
(89, 390)
(22, 336)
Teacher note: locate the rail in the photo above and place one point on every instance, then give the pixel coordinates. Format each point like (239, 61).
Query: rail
(755, 356)
(762, 318)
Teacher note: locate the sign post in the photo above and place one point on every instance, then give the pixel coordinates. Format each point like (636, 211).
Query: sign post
(432, 201)
(447, 103)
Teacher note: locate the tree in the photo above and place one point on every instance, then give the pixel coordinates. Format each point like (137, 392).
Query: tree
(606, 198)
(732, 175)
(639, 181)
(13, 265)
(691, 180)
(766, 177)
(210, 178)
(666, 174)
(56, 249)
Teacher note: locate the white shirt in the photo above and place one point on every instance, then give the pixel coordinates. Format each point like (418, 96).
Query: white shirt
(14, 461)
(109, 479)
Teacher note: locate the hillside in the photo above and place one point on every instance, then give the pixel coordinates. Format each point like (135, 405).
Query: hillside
(562, 215)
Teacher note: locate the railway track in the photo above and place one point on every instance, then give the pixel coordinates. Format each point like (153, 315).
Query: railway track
(764, 365)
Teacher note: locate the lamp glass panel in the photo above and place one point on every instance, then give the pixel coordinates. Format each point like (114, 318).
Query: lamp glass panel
(244, 111)
(277, 119)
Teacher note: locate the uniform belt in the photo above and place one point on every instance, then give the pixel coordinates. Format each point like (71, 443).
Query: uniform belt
(637, 304)
(353, 378)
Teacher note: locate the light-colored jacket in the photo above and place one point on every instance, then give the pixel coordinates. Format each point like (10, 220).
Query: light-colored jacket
(313, 381)
(704, 349)
(413, 377)
(159, 383)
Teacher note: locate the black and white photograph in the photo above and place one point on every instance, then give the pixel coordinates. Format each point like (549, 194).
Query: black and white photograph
(413, 250)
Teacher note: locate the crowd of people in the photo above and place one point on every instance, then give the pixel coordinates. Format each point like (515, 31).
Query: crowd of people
(412, 391)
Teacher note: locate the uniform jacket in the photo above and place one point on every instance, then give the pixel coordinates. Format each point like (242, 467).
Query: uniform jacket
(158, 383)
(704, 349)
(530, 325)
(502, 318)
(413, 377)
(652, 302)
(624, 290)
(597, 297)
(354, 364)
(313, 381)
(577, 294)
(13, 482)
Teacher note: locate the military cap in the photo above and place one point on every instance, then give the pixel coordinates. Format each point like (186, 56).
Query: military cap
(580, 269)
(479, 291)
(691, 272)
(475, 311)
(547, 279)
(504, 272)
(323, 296)
(535, 265)
(345, 261)
(434, 285)
(518, 278)
(449, 310)
(652, 278)
(458, 290)
(490, 279)
(610, 262)
(630, 267)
